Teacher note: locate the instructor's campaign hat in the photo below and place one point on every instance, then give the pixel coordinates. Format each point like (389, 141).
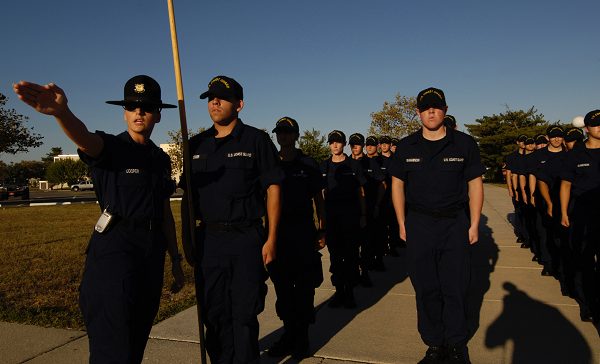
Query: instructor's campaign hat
(141, 89)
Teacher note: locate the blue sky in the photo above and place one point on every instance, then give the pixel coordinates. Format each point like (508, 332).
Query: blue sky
(327, 63)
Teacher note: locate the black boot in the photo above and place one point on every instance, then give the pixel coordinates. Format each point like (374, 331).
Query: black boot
(434, 355)
(301, 345)
(285, 345)
(349, 301)
(458, 355)
(365, 279)
(337, 300)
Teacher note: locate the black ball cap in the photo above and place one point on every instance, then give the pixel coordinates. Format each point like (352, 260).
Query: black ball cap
(572, 134)
(592, 118)
(372, 141)
(141, 89)
(356, 139)
(336, 136)
(385, 140)
(431, 98)
(529, 140)
(286, 124)
(225, 88)
(522, 138)
(540, 139)
(450, 121)
(395, 141)
(555, 131)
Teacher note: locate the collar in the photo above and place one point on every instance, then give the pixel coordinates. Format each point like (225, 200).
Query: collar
(124, 136)
(235, 133)
(417, 137)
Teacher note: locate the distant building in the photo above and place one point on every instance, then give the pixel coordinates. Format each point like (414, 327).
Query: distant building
(74, 157)
(167, 148)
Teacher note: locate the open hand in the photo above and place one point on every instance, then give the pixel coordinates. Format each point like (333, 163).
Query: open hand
(47, 99)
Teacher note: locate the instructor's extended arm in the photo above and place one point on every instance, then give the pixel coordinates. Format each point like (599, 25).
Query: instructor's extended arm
(51, 100)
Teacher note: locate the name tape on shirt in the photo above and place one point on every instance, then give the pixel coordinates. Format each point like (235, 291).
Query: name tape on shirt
(453, 159)
(412, 160)
(239, 154)
(583, 165)
(132, 171)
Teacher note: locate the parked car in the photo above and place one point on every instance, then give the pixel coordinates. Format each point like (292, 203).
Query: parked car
(18, 191)
(82, 186)
(3, 193)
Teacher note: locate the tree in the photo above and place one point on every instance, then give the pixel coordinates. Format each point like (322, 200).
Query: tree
(496, 135)
(49, 158)
(66, 171)
(314, 145)
(25, 170)
(175, 150)
(14, 136)
(396, 119)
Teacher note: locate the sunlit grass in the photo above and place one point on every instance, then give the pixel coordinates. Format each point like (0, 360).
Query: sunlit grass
(42, 253)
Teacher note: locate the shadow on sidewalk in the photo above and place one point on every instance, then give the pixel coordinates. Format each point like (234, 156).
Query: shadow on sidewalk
(539, 332)
(331, 321)
(484, 255)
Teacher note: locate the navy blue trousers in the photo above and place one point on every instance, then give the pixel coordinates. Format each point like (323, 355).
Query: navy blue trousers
(231, 290)
(120, 292)
(439, 269)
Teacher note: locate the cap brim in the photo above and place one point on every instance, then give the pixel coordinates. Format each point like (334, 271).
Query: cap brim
(284, 129)
(227, 97)
(125, 102)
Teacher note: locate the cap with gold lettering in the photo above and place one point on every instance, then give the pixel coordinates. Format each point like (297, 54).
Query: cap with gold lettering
(225, 88)
(141, 89)
(336, 136)
(450, 121)
(356, 139)
(286, 124)
(431, 98)
(592, 118)
(572, 134)
(372, 141)
(540, 139)
(555, 131)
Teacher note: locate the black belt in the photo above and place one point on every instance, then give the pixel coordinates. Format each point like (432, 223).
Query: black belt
(139, 224)
(449, 212)
(230, 226)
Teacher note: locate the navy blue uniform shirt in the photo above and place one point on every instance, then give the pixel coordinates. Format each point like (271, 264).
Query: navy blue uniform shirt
(342, 183)
(374, 177)
(511, 161)
(302, 182)
(582, 169)
(230, 175)
(549, 167)
(436, 174)
(131, 180)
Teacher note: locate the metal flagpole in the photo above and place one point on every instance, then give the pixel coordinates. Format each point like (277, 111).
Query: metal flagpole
(186, 160)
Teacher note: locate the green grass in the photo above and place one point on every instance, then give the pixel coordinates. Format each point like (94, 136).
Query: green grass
(42, 253)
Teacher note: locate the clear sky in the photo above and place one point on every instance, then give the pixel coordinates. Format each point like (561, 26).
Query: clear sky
(326, 63)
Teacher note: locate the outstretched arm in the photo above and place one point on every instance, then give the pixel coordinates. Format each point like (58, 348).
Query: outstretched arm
(51, 100)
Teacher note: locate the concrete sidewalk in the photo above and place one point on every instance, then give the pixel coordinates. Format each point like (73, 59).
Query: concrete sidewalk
(517, 316)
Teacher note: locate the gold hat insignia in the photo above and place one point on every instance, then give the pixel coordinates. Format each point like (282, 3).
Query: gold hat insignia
(139, 88)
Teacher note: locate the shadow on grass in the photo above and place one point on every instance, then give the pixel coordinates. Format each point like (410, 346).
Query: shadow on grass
(539, 332)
